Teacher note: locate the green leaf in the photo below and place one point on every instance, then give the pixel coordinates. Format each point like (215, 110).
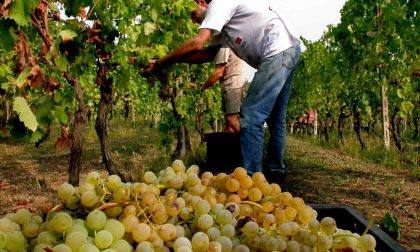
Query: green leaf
(20, 11)
(154, 14)
(26, 115)
(7, 40)
(61, 115)
(36, 136)
(149, 28)
(20, 81)
(53, 7)
(67, 35)
(62, 63)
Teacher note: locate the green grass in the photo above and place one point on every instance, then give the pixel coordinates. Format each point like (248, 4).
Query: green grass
(375, 152)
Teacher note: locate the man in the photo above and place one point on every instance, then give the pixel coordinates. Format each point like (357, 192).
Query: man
(228, 71)
(261, 37)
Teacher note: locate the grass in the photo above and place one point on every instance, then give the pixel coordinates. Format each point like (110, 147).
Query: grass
(374, 153)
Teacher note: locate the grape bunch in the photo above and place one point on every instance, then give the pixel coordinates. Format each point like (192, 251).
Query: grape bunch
(178, 210)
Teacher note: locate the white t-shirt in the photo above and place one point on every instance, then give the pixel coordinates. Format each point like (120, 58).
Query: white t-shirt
(232, 75)
(251, 28)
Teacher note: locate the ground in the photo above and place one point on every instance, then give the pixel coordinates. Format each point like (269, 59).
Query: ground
(29, 177)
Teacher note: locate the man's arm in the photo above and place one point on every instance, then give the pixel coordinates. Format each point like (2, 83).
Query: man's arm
(182, 53)
(187, 49)
(203, 56)
(214, 77)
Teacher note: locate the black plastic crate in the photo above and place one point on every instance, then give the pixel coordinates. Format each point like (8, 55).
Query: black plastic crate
(351, 219)
(223, 152)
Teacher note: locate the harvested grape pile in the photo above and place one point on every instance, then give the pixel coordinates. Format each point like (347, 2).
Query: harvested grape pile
(177, 211)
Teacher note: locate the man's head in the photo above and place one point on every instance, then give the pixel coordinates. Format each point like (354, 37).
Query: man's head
(198, 15)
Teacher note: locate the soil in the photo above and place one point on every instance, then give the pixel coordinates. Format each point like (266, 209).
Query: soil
(29, 177)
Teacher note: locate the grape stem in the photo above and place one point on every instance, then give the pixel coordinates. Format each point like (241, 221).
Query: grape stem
(368, 226)
(251, 203)
(107, 205)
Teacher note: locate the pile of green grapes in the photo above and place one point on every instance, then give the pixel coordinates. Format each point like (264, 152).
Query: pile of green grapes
(180, 211)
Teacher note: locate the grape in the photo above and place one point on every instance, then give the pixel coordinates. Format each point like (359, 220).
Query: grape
(30, 229)
(7, 225)
(86, 187)
(267, 206)
(65, 191)
(202, 207)
(173, 209)
(116, 228)
(367, 242)
(93, 178)
(75, 240)
(167, 232)
(196, 190)
(40, 248)
(180, 231)
(258, 176)
(185, 213)
(144, 246)
(141, 232)
(205, 221)
(103, 239)
(213, 233)
(181, 242)
(226, 243)
(269, 244)
(88, 248)
(328, 225)
(214, 246)
(176, 182)
(290, 213)
(306, 214)
(224, 217)
(323, 243)
(199, 241)
(96, 220)
(240, 248)
(109, 250)
(22, 216)
(149, 177)
(113, 182)
(16, 241)
(250, 229)
(121, 194)
(129, 222)
(121, 246)
(46, 238)
(228, 230)
(61, 222)
(254, 194)
(89, 199)
(178, 166)
(193, 169)
(232, 185)
(62, 248)
(73, 202)
(293, 246)
(114, 211)
(313, 225)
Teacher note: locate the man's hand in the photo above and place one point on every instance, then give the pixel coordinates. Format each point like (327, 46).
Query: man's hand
(151, 67)
(204, 87)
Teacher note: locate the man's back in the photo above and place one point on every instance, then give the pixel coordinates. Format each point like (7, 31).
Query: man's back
(232, 75)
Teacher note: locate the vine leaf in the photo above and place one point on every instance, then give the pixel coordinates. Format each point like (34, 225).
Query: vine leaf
(20, 11)
(26, 115)
(67, 35)
(149, 28)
